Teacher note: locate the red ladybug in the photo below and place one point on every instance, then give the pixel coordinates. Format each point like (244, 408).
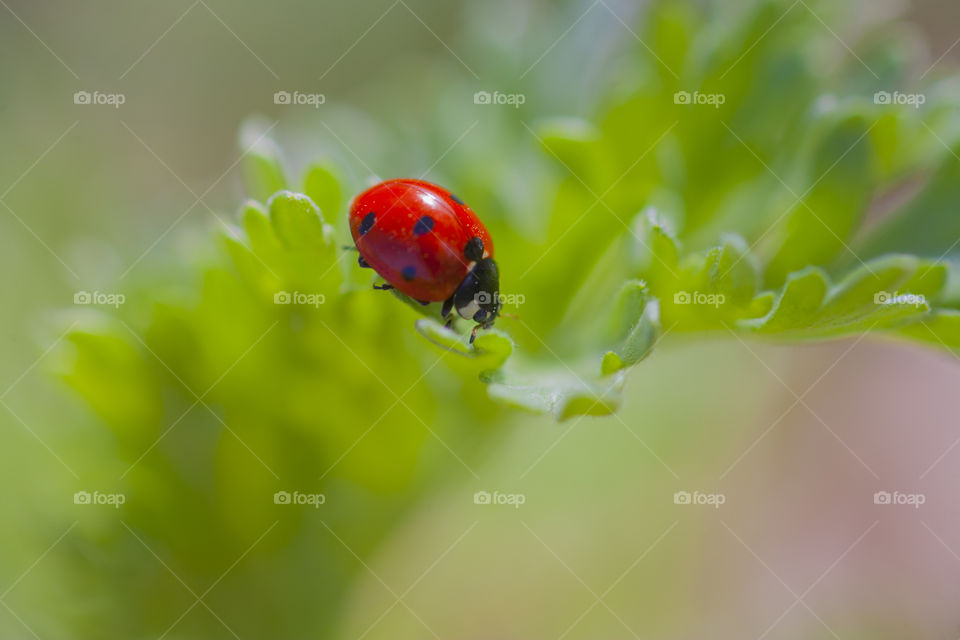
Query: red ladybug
(426, 243)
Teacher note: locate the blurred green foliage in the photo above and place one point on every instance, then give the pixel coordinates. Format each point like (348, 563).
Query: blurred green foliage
(217, 397)
(303, 400)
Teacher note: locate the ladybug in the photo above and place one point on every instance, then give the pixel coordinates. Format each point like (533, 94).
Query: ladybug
(426, 243)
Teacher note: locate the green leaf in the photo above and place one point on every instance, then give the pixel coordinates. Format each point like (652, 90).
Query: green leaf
(489, 351)
(885, 293)
(655, 250)
(107, 369)
(297, 221)
(257, 226)
(521, 383)
(322, 185)
(632, 326)
(637, 325)
(730, 270)
(797, 304)
(444, 337)
(564, 396)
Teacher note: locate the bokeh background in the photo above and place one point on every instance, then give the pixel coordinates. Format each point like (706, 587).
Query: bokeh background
(127, 199)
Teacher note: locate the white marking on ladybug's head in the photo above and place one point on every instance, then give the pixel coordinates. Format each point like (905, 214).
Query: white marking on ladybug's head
(470, 309)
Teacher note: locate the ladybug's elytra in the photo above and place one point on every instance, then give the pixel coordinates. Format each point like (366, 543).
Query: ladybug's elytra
(426, 243)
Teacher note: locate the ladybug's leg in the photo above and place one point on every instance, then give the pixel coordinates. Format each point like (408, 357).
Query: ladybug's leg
(383, 287)
(363, 263)
(445, 312)
(484, 326)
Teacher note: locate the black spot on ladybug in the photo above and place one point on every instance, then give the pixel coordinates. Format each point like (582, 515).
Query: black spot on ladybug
(456, 199)
(409, 272)
(474, 249)
(424, 225)
(367, 223)
(363, 263)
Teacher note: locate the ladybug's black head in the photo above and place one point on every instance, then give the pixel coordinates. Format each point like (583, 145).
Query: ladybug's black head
(478, 296)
